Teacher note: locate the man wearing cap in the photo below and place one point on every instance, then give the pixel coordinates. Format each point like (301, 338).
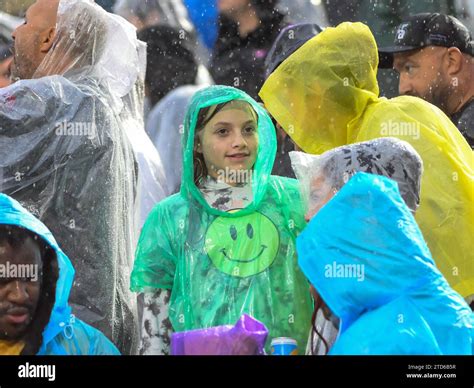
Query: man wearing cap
(434, 55)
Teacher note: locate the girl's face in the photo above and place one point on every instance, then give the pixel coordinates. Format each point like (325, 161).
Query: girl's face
(229, 142)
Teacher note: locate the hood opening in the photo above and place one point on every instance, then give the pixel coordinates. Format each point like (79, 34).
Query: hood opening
(221, 96)
(33, 337)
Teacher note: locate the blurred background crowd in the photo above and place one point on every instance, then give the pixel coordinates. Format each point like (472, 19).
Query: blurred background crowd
(235, 55)
(196, 43)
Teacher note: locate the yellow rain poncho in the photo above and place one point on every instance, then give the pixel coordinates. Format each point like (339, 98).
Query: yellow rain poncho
(326, 95)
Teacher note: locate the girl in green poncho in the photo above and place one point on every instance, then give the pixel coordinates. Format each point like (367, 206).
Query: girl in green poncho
(225, 244)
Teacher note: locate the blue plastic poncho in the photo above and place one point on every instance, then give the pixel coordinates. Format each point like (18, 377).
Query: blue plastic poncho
(64, 334)
(367, 258)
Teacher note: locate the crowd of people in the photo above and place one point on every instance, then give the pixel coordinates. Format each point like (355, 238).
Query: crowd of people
(173, 165)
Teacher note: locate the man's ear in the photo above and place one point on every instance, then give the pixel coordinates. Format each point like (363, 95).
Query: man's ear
(455, 59)
(47, 40)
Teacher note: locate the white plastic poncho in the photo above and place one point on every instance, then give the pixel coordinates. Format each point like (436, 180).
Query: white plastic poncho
(65, 155)
(319, 175)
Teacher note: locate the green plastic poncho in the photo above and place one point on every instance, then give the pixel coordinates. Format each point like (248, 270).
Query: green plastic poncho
(325, 95)
(220, 265)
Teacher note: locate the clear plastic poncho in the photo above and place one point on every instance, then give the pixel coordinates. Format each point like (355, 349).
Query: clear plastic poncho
(367, 258)
(220, 265)
(65, 155)
(325, 95)
(322, 175)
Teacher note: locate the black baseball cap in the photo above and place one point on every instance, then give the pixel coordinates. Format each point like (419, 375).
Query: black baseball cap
(427, 29)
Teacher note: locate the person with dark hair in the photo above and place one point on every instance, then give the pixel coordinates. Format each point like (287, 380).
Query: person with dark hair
(35, 281)
(247, 29)
(171, 60)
